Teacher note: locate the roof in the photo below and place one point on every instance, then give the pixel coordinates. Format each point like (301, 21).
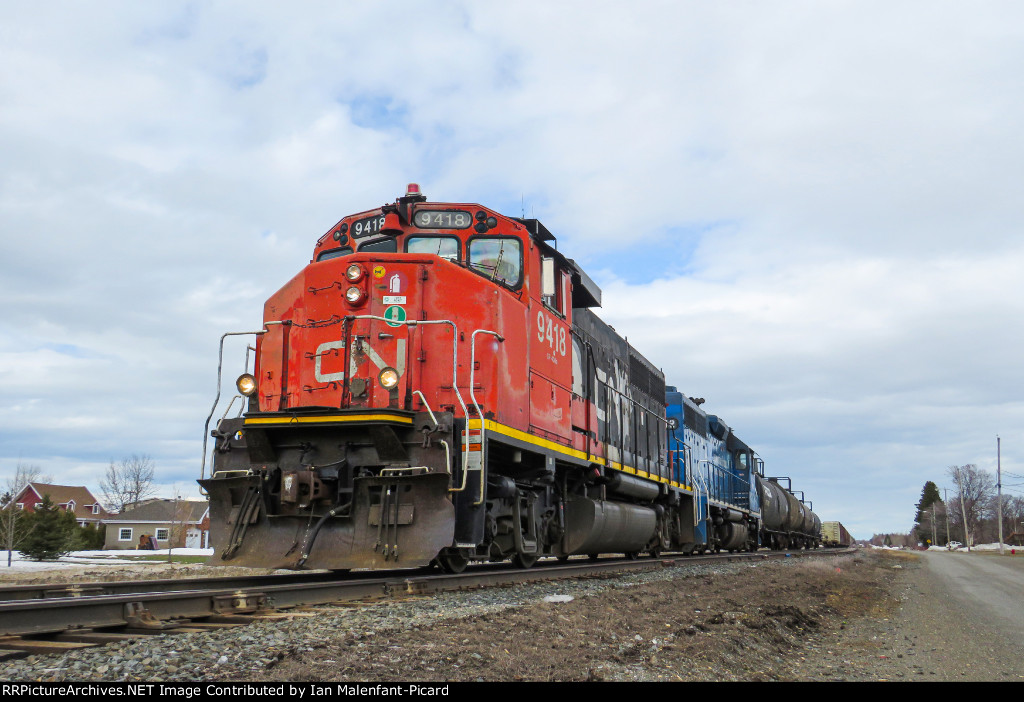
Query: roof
(62, 494)
(162, 510)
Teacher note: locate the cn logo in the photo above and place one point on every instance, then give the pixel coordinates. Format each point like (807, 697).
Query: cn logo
(368, 350)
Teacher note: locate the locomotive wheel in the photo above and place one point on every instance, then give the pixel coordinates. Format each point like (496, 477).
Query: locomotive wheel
(633, 555)
(593, 556)
(563, 559)
(453, 562)
(522, 560)
(655, 552)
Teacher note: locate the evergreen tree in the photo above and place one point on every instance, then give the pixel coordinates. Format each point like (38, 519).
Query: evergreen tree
(923, 520)
(50, 535)
(90, 538)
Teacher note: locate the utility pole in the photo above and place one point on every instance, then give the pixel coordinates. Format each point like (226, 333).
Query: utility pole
(934, 526)
(945, 503)
(999, 493)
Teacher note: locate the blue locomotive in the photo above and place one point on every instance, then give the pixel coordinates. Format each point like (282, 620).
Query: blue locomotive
(735, 506)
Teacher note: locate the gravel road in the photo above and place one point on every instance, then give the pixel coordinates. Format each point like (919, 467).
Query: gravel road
(962, 617)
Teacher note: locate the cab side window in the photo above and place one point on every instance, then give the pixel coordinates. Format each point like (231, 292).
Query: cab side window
(554, 286)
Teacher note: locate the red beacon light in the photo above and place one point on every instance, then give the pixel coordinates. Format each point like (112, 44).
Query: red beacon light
(413, 189)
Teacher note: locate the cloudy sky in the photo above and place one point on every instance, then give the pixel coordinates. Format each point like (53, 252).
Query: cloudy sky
(804, 212)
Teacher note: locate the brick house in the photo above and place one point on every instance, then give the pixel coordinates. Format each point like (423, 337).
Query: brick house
(68, 498)
(158, 518)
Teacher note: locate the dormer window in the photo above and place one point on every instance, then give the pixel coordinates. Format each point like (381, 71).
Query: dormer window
(70, 506)
(95, 509)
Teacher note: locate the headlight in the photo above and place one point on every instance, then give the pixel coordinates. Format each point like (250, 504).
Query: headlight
(388, 378)
(354, 273)
(354, 295)
(246, 384)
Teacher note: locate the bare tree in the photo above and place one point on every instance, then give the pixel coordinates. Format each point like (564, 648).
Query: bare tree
(975, 492)
(127, 482)
(14, 527)
(1013, 514)
(181, 509)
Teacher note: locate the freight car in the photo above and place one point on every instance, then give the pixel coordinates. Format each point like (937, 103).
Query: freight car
(835, 535)
(434, 388)
(787, 521)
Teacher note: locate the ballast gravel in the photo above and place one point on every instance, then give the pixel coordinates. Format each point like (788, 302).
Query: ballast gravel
(237, 653)
(860, 617)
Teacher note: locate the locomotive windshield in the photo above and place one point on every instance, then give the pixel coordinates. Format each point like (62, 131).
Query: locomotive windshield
(334, 253)
(447, 247)
(498, 258)
(388, 245)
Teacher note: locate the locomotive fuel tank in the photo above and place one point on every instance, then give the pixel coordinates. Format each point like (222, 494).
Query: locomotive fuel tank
(731, 535)
(603, 526)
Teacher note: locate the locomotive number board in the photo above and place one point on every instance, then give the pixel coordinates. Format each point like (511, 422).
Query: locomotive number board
(367, 226)
(446, 219)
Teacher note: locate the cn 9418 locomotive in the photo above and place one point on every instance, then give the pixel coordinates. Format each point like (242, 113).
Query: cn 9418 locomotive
(434, 388)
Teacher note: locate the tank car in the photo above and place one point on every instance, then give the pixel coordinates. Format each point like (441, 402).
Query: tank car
(433, 387)
(787, 522)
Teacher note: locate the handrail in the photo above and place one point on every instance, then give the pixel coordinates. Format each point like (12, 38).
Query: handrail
(216, 401)
(476, 405)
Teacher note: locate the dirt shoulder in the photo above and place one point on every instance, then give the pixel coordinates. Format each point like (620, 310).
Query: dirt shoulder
(843, 618)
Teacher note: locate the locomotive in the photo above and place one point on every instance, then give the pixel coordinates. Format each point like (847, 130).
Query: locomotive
(434, 387)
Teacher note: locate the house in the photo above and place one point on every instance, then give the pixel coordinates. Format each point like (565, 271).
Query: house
(68, 498)
(160, 518)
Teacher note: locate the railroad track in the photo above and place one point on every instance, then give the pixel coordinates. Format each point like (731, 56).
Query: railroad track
(52, 619)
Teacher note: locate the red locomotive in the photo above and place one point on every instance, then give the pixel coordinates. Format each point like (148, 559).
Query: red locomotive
(433, 387)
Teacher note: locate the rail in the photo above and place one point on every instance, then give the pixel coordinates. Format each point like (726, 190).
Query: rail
(153, 611)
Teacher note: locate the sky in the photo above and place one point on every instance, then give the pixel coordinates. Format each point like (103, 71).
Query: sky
(803, 212)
